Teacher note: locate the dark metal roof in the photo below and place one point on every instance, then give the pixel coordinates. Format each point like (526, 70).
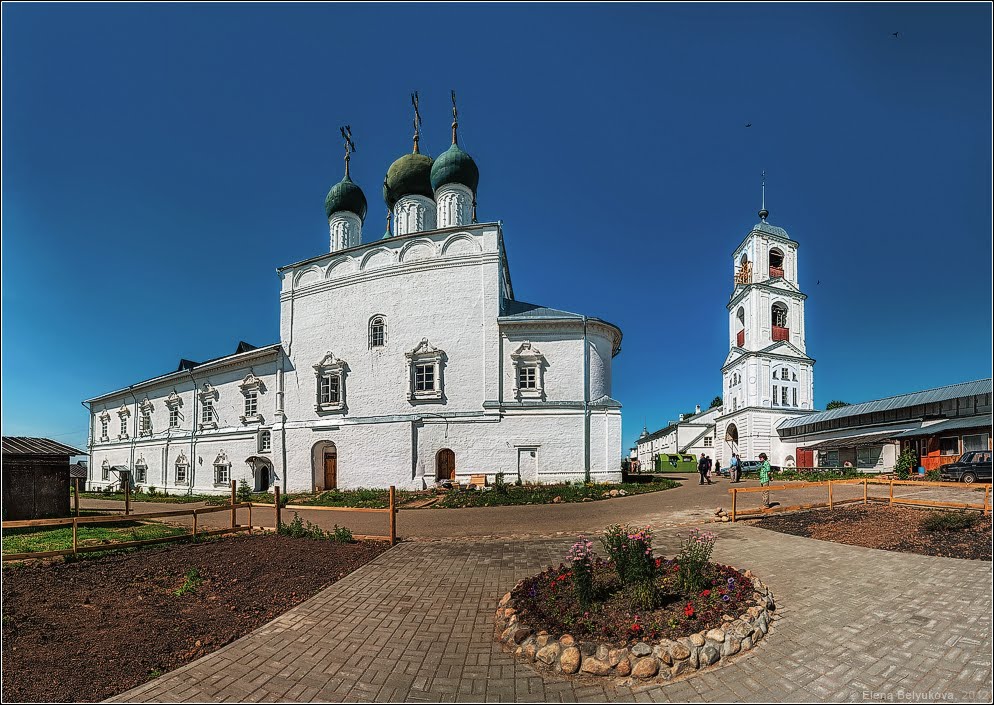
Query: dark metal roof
(22, 445)
(77, 470)
(519, 311)
(929, 396)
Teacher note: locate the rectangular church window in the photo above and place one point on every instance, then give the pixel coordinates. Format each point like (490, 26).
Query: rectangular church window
(424, 378)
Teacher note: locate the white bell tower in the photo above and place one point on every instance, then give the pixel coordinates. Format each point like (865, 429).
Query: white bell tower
(767, 375)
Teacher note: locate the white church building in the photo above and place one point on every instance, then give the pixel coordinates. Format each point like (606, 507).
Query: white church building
(403, 360)
(767, 376)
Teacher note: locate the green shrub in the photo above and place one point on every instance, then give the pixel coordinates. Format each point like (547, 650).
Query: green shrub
(341, 534)
(500, 486)
(244, 492)
(190, 584)
(950, 521)
(933, 475)
(152, 492)
(906, 463)
(692, 559)
(630, 548)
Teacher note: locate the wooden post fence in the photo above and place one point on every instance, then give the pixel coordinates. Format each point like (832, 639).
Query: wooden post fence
(865, 500)
(127, 493)
(987, 504)
(276, 495)
(393, 515)
(892, 492)
(74, 528)
(75, 495)
(195, 526)
(830, 494)
(234, 499)
(734, 492)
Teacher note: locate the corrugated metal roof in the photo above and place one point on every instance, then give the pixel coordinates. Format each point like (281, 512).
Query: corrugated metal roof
(23, 445)
(950, 425)
(852, 441)
(77, 470)
(929, 396)
(514, 311)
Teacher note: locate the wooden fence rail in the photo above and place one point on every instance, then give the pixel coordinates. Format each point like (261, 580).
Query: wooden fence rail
(391, 510)
(233, 506)
(865, 482)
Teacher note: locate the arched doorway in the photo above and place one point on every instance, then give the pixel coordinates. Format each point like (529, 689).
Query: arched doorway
(262, 471)
(445, 465)
(731, 440)
(324, 462)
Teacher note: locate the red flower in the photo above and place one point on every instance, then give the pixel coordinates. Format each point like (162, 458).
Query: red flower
(705, 593)
(689, 610)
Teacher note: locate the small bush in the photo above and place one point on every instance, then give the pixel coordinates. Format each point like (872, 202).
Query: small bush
(152, 492)
(244, 492)
(341, 534)
(950, 521)
(692, 560)
(630, 548)
(906, 464)
(190, 584)
(582, 559)
(500, 486)
(933, 475)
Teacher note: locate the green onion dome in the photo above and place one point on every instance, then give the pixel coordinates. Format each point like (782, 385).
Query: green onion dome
(345, 196)
(454, 166)
(408, 176)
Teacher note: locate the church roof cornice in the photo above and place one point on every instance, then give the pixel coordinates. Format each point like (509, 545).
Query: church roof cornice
(396, 238)
(740, 294)
(743, 353)
(766, 233)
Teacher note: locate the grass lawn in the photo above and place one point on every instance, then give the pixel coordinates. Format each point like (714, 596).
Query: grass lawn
(545, 494)
(368, 498)
(158, 497)
(59, 538)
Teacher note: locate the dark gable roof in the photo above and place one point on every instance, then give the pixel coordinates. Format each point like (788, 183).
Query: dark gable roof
(22, 445)
(242, 347)
(77, 470)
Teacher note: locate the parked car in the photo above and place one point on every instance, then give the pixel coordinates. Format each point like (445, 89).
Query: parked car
(749, 467)
(973, 466)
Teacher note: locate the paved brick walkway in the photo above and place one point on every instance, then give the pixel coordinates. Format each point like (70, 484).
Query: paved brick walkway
(855, 624)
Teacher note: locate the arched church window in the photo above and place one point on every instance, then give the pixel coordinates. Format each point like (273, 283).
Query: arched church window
(377, 331)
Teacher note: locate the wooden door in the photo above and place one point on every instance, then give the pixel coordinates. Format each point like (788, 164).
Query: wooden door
(330, 472)
(805, 458)
(445, 465)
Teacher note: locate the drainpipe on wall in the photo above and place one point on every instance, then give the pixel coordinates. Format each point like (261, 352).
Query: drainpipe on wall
(193, 437)
(281, 402)
(134, 436)
(89, 444)
(586, 405)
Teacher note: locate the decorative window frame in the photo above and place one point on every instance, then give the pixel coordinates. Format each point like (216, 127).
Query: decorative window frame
(425, 354)
(382, 322)
(182, 462)
(173, 402)
(264, 433)
(208, 393)
(123, 413)
(330, 366)
(252, 384)
(104, 419)
(529, 357)
(222, 464)
(141, 470)
(145, 409)
(105, 470)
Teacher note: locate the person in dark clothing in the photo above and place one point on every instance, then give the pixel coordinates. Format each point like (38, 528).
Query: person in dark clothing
(703, 467)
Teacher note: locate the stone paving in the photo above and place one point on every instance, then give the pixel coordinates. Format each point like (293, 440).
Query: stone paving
(854, 624)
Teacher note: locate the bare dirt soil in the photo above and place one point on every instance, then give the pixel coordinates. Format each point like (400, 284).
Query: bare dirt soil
(90, 629)
(890, 528)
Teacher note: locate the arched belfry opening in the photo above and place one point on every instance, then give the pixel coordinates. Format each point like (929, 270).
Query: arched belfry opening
(776, 263)
(781, 325)
(744, 273)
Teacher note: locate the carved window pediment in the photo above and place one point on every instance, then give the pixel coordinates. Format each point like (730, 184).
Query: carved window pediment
(425, 370)
(330, 374)
(123, 413)
(251, 388)
(207, 392)
(529, 372)
(251, 383)
(174, 400)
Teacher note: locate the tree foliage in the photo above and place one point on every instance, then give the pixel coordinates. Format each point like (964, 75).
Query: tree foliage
(835, 404)
(715, 402)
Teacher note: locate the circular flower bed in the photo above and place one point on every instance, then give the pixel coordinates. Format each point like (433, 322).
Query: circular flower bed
(633, 614)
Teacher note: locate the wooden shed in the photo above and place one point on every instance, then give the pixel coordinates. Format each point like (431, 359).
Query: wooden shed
(35, 478)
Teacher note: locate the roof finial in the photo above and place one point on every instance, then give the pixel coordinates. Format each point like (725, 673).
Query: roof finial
(455, 119)
(417, 121)
(763, 213)
(389, 216)
(349, 146)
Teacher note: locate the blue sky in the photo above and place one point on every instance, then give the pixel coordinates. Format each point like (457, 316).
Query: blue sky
(160, 161)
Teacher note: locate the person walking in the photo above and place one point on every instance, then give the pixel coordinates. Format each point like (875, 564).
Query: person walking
(702, 468)
(764, 479)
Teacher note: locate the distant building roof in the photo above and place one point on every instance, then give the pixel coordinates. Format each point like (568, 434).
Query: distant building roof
(78, 470)
(23, 445)
(928, 396)
(957, 423)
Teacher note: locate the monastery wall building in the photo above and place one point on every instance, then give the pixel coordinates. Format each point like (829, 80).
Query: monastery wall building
(403, 360)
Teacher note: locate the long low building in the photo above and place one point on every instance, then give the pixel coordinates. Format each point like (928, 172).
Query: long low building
(939, 424)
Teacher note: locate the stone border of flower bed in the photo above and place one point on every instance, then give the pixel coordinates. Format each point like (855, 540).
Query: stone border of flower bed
(643, 661)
